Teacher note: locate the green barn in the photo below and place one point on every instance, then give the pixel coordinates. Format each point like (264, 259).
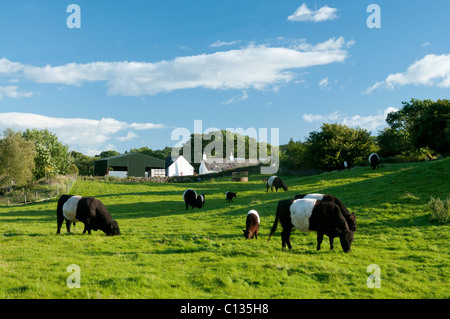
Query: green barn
(129, 164)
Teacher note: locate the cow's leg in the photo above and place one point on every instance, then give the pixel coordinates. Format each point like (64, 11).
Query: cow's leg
(256, 234)
(331, 242)
(59, 225)
(286, 235)
(87, 226)
(68, 224)
(319, 240)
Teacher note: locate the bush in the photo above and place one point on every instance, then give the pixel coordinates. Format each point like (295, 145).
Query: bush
(440, 210)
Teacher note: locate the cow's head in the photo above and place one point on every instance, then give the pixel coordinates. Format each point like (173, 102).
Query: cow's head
(248, 234)
(199, 201)
(113, 229)
(346, 238)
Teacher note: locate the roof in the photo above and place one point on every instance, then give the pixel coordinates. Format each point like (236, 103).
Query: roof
(218, 165)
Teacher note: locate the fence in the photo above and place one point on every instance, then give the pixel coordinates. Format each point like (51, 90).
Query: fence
(62, 185)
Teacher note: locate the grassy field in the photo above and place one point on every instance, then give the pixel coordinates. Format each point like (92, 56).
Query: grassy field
(167, 252)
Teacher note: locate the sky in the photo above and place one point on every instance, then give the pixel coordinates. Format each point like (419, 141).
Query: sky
(118, 75)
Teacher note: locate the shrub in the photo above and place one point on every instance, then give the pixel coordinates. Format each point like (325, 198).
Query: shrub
(440, 210)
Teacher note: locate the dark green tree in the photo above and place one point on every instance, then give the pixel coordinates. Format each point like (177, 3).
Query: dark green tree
(84, 163)
(425, 122)
(336, 143)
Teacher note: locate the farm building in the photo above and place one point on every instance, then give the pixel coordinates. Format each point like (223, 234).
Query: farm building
(178, 166)
(129, 164)
(214, 165)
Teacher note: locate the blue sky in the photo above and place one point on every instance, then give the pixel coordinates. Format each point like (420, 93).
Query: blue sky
(136, 70)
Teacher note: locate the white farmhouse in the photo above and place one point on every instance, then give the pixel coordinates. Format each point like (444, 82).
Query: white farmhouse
(178, 166)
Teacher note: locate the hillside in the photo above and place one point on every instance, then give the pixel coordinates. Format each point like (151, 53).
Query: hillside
(166, 251)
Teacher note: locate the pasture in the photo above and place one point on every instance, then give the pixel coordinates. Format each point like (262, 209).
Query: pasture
(166, 251)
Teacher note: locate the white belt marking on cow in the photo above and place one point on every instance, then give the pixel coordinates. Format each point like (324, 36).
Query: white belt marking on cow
(70, 208)
(270, 180)
(301, 211)
(255, 213)
(315, 196)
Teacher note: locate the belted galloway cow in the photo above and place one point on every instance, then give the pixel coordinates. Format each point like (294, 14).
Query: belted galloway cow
(88, 210)
(310, 214)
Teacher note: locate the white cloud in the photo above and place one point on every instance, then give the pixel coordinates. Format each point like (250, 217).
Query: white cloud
(371, 122)
(254, 67)
(432, 70)
(303, 13)
(236, 99)
(128, 137)
(222, 43)
(13, 92)
(80, 134)
(323, 84)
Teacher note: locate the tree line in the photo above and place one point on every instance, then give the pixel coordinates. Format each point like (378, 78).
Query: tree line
(421, 128)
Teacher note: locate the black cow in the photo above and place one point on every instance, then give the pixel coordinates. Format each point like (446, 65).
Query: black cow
(190, 198)
(251, 224)
(349, 217)
(229, 196)
(275, 181)
(312, 215)
(374, 160)
(88, 210)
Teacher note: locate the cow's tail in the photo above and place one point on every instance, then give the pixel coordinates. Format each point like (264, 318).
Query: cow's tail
(274, 227)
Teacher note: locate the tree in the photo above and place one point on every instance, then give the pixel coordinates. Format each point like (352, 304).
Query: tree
(292, 155)
(84, 163)
(336, 143)
(426, 122)
(106, 154)
(52, 156)
(16, 159)
(393, 142)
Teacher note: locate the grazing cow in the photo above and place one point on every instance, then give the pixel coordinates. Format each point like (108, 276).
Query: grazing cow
(88, 210)
(349, 217)
(201, 199)
(275, 181)
(229, 196)
(190, 198)
(312, 215)
(251, 225)
(374, 160)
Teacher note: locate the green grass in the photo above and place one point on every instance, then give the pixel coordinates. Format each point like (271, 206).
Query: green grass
(167, 252)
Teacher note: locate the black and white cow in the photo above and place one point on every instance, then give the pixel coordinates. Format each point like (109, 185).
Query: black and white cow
(88, 210)
(374, 160)
(252, 224)
(349, 217)
(275, 181)
(229, 196)
(312, 215)
(190, 198)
